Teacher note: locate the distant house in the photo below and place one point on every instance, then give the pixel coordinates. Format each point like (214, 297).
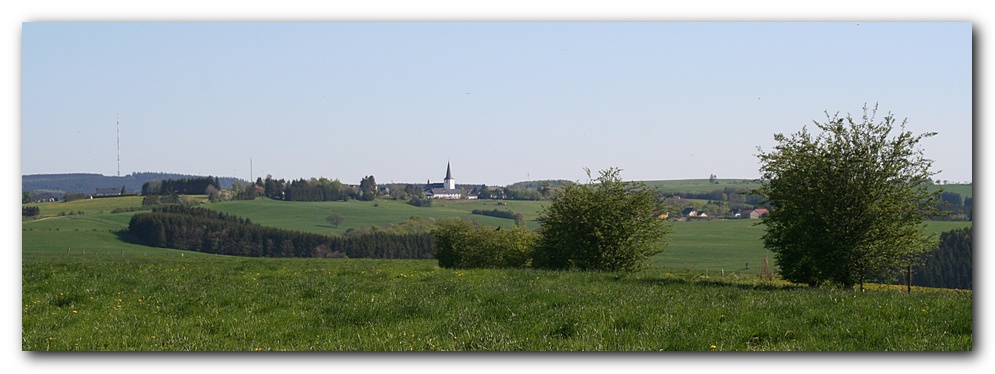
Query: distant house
(43, 198)
(107, 191)
(692, 212)
(753, 213)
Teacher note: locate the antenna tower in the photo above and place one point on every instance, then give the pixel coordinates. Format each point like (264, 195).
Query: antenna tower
(119, 145)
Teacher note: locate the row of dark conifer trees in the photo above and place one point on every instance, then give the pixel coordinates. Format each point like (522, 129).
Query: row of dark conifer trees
(203, 230)
(948, 266)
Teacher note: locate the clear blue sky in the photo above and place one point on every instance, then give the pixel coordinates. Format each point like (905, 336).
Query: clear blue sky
(504, 102)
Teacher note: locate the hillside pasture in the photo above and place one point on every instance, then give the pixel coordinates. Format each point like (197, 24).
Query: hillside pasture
(715, 246)
(94, 231)
(727, 246)
(89, 243)
(965, 190)
(87, 206)
(310, 216)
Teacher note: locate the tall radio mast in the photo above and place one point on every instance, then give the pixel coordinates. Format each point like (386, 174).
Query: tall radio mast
(119, 144)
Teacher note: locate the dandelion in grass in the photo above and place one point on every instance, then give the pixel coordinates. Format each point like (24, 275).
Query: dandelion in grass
(712, 346)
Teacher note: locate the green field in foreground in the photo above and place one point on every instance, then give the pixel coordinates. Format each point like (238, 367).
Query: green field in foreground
(217, 303)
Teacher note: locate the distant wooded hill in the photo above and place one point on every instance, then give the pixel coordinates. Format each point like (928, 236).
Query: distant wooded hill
(60, 184)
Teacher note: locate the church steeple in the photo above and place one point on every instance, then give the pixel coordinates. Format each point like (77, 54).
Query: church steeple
(449, 182)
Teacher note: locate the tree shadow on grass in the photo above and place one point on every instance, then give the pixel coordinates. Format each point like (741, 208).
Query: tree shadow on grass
(124, 236)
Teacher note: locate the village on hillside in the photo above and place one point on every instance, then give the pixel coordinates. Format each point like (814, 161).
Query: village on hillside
(696, 200)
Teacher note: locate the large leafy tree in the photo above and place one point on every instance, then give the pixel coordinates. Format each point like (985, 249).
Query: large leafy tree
(604, 225)
(847, 204)
(368, 188)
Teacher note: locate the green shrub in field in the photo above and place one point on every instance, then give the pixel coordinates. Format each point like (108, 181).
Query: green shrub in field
(604, 225)
(30, 211)
(461, 243)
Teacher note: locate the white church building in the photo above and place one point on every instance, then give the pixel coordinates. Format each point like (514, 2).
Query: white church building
(445, 190)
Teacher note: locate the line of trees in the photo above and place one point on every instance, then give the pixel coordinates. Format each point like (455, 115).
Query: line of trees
(313, 189)
(518, 217)
(203, 230)
(182, 186)
(307, 190)
(953, 207)
(530, 190)
(730, 194)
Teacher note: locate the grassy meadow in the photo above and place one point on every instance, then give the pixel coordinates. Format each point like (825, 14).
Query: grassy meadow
(84, 288)
(215, 303)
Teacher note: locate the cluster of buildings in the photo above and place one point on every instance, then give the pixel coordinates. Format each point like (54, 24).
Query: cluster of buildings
(749, 213)
(447, 189)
